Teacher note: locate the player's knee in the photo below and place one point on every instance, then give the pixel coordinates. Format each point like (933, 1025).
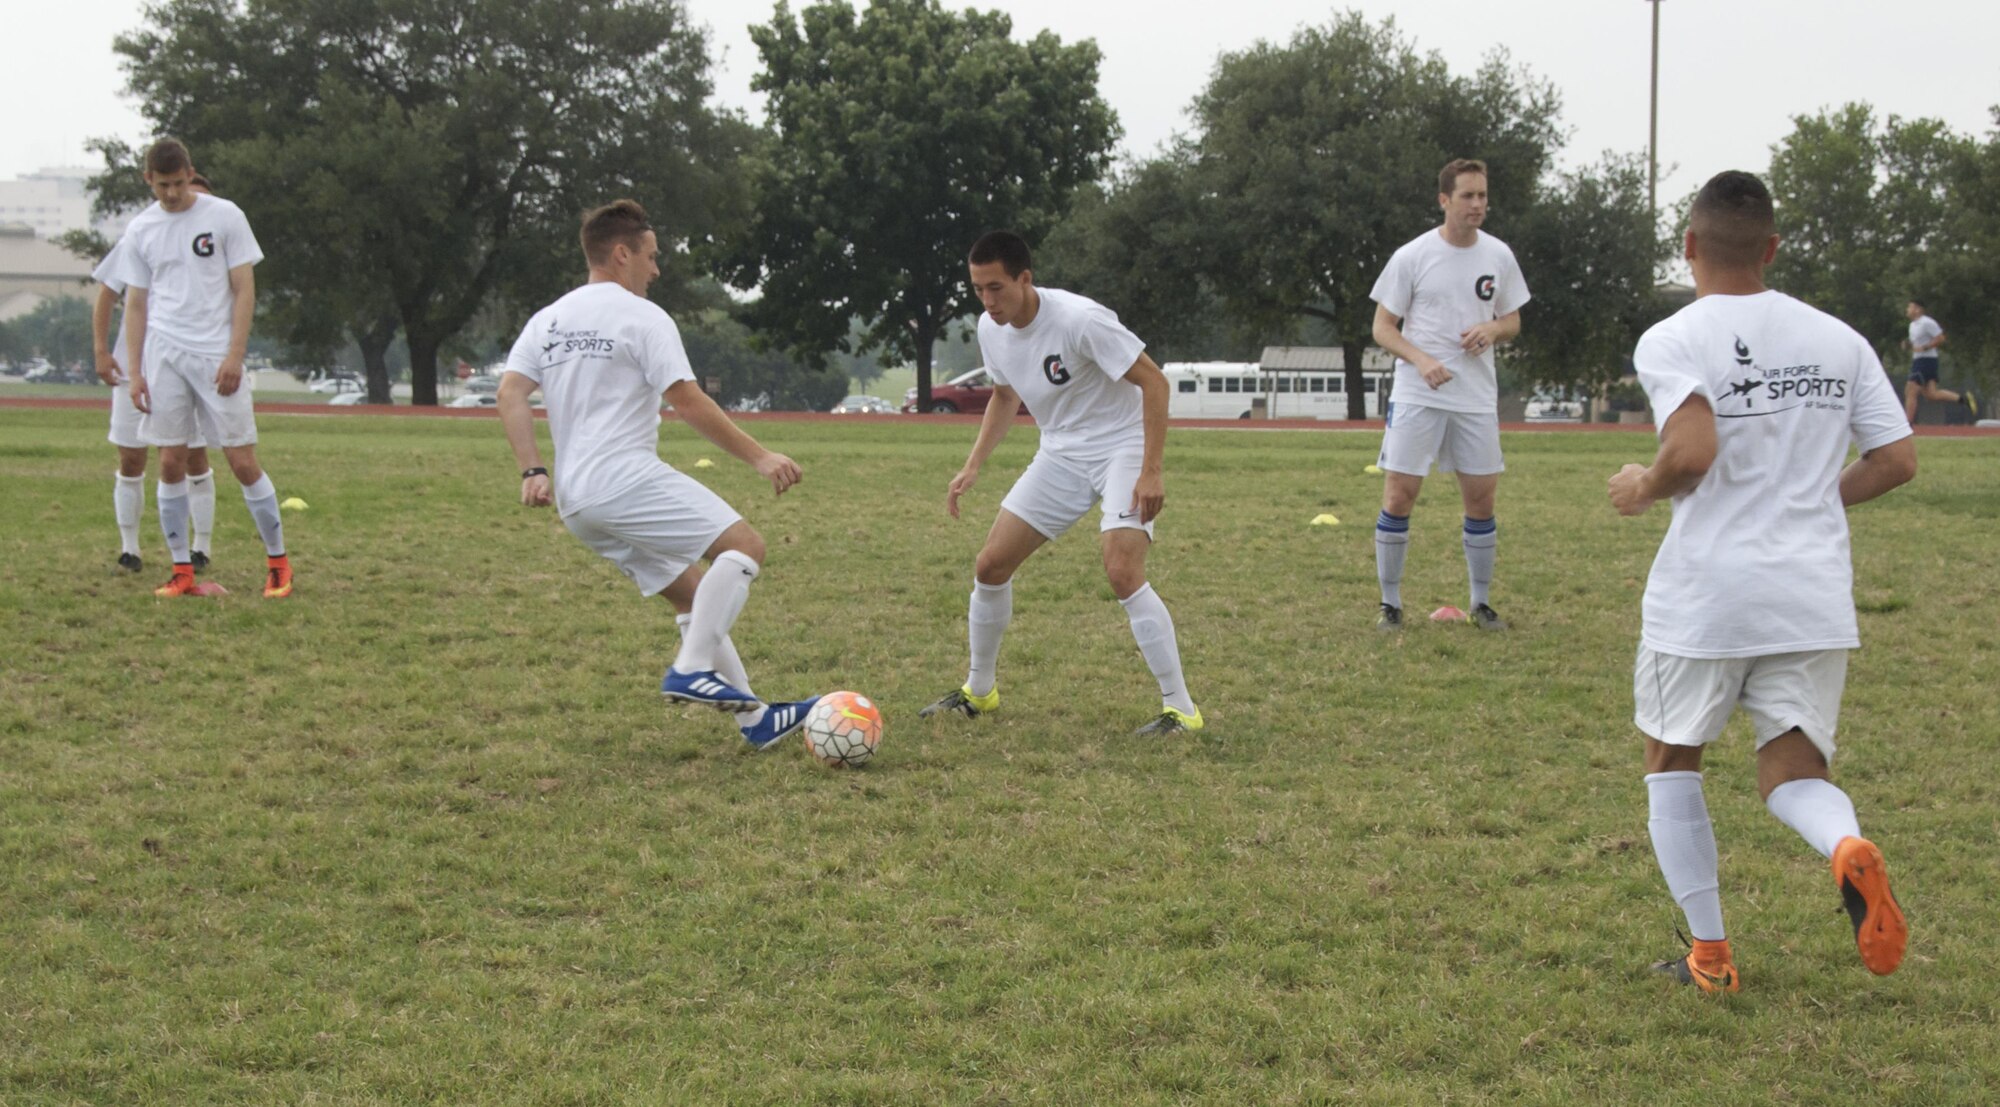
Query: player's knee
(197, 462)
(1126, 579)
(131, 462)
(991, 568)
(743, 539)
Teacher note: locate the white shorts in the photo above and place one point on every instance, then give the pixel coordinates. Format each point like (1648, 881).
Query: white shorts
(1686, 701)
(654, 530)
(1458, 441)
(1054, 492)
(125, 417)
(186, 405)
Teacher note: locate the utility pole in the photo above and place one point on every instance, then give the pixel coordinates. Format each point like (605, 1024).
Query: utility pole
(1653, 127)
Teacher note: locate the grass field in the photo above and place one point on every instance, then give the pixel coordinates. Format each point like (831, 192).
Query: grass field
(425, 834)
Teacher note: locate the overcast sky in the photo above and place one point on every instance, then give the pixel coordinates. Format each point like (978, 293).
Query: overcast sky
(1732, 72)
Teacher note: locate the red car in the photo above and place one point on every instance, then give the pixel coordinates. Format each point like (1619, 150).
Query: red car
(967, 393)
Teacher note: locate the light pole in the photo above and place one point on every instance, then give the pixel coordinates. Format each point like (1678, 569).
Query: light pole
(1653, 125)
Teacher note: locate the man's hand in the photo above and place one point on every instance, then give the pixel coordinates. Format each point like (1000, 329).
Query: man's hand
(780, 470)
(1628, 490)
(1149, 494)
(141, 399)
(960, 485)
(107, 368)
(229, 376)
(1435, 374)
(537, 491)
(1480, 337)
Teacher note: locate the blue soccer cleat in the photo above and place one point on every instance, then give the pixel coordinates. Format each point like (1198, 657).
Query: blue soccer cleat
(778, 723)
(706, 688)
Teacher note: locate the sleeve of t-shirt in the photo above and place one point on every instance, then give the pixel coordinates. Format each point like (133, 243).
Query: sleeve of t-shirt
(666, 357)
(1668, 375)
(524, 357)
(1513, 286)
(1875, 418)
(1106, 342)
(239, 245)
(992, 364)
(1394, 289)
(110, 271)
(133, 272)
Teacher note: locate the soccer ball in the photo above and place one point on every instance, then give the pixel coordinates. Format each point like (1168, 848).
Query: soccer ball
(843, 729)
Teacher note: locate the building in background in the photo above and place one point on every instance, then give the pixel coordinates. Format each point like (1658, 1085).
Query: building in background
(51, 201)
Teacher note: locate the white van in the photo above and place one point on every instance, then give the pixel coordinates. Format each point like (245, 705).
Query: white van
(1239, 389)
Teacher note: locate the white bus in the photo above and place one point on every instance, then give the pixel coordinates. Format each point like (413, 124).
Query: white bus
(1244, 389)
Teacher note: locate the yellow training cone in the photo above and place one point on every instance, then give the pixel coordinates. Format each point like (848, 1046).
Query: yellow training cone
(1325, 520)
(704, 463)
(1372, 470)
(293, 504)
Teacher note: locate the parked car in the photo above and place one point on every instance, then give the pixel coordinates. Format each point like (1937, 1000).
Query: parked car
(335, 382)
(967, 392)
(1549, 407)
(482, 386)
(348, 399)
(475, 399)
(862, 405)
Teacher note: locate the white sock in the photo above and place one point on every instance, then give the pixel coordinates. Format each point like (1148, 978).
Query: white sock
(128, 502)
(730, 665)
(201, 507)
(173, 505)
(1153, 629)
(986, 619)
(1820, 812)
(1392, 541)
(718, 600)
(1684, 844)
(1481, 536)
(262, 499)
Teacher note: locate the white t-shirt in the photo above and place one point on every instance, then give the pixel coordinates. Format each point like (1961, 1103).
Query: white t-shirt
(1756, 561)
(183, 261)
(1923, 330)
(602, 357)
(1069, 367)
(107, 274)
(1438, 290)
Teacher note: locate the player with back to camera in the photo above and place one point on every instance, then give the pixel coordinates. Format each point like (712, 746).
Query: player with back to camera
(1446, 299)
(1750, 601)
(603, 356)
(128, 494)
(190, 297)
(1101, 404)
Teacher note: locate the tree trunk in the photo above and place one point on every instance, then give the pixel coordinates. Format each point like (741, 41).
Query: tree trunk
(374, 343)
(1351, 349)
(926, 347)
(423, 369)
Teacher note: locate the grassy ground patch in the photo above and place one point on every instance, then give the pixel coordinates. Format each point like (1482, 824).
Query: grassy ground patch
(425, 833)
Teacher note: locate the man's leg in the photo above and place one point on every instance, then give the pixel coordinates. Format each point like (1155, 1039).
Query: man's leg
(1911, 390)
(128, 503)
(201, 502)
(1392, 534)
(1152, 625)
(1481, 539)
(713, 603)
(990, 609)
(260, 496)
(1688, 700)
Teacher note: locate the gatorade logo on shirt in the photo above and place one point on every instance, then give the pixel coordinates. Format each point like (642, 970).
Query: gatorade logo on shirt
(204, 245)
(1052, 368)
(1483, 287)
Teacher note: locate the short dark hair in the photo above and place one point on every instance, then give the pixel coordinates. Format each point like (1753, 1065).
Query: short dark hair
(200, 181)
(1921, 306)
(1448, 176)
(1005, 247)
(1733, 219)
(166, 156)
(605, 227)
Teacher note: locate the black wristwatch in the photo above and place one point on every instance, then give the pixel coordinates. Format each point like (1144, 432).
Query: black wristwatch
(537, 471)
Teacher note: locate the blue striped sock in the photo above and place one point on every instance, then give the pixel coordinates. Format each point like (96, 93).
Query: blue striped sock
(1392, 541)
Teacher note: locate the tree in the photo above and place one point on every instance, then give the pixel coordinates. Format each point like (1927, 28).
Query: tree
(57, 329)
(1315, 160)
(719, 346)
(899, 136)
(407, 162)
(1590, 248)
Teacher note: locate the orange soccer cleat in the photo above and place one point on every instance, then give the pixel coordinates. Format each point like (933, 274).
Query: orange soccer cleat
(278, 581)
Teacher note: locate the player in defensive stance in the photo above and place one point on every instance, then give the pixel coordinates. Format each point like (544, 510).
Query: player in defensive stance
(1750, 601)
(1102, 407)
(603, 355)
(128, 495)
(1444, 301)
(189, 300)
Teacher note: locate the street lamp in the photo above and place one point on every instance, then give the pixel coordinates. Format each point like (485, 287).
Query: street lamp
(1653, 126)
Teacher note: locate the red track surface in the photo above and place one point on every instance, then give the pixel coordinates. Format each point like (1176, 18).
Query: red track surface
(965, 420)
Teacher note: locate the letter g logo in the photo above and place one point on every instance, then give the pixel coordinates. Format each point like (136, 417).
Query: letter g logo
(204, 245)
(1052, 368)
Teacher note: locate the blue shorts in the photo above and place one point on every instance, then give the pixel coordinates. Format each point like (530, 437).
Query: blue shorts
(1923, 369)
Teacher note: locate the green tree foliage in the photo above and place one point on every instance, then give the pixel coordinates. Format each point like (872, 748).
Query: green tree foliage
(1589, 247)
(57, 329)
(720, 347)
(900, 134)
(1316, 159)
(408, 162)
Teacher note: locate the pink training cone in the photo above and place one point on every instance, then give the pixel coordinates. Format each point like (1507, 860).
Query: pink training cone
(1447, 614)
(209, 588)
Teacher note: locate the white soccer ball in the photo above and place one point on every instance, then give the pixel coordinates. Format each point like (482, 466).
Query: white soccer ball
(843, 729)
